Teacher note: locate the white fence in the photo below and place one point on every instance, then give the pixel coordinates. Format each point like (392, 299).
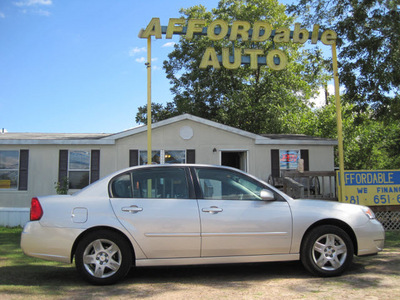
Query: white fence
(389, 219)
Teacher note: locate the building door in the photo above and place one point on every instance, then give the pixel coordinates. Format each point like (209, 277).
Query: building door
(235, 159)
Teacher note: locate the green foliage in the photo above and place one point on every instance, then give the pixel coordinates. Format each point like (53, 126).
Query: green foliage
(158, 113)
(392, 240)
(369, 61)
(62, 187)
(369, 144)
(369, 42)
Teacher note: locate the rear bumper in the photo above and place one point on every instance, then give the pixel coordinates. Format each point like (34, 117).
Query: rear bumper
(48, 243)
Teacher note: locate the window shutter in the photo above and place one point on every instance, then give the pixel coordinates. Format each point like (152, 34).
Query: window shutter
(94, 165)
(275, 169)
(191, 156)
(133, 158)
(304, 156)
(63, 165)
(23, 170)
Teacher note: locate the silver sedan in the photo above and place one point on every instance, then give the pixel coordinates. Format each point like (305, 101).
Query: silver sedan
(194, 214)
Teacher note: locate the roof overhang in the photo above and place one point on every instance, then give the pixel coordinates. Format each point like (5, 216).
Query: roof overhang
(110, 139)
(56, 142)
(297, 142)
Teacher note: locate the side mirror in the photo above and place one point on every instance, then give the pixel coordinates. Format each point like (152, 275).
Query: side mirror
(267, 195)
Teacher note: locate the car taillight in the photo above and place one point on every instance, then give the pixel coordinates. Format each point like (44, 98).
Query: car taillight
(36, 210)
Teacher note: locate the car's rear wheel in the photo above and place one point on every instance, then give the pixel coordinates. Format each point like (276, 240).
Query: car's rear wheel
(327, 251)
(103, 257)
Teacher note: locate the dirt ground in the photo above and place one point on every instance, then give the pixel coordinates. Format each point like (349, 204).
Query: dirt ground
(375, 277)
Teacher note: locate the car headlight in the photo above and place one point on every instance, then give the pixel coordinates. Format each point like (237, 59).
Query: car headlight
(368, 212)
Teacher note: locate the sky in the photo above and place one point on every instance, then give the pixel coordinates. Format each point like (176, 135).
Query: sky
(78, 66)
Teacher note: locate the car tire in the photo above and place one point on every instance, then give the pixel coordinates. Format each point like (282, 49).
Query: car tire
(103, 257)
(326, 251)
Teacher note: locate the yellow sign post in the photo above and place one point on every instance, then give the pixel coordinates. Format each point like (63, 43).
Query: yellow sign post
(339, 121)
(148, 64)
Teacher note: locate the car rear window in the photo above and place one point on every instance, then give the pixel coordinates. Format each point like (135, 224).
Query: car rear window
(165, 182)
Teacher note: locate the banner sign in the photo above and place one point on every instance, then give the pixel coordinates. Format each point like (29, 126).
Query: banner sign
(371, 187)
(289, 159)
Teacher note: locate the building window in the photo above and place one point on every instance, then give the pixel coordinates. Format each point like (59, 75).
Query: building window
(155, 157)
(289, 159)
(9, 169)
(78, 169)
(14, 169)
(163, 157)
(174, 157)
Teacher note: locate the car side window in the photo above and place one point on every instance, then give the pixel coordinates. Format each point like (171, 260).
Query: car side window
(160, 183)
(227, 185)
(121, 186)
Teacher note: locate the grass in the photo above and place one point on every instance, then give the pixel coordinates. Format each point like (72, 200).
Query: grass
(22, 276)
(392, 239)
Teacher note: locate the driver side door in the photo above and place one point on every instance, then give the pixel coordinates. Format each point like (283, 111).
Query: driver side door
(235, 220)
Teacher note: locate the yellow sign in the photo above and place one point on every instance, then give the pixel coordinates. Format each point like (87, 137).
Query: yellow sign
(371, 187)
(261, 31)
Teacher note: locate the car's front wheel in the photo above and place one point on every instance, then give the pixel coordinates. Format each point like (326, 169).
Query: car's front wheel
(327, 251)
(103, 257)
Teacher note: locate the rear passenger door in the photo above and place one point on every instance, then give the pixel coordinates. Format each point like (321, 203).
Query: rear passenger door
(155, 205)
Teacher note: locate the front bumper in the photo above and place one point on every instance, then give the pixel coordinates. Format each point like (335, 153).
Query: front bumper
(371, 238)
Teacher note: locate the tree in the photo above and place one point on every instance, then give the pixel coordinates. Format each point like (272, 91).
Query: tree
(259, 101)
(369, 144)
(369, 43)
(369, 59)
(158, 113)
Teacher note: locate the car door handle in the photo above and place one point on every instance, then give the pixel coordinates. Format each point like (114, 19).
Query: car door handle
(132, 209)
(212, 210)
